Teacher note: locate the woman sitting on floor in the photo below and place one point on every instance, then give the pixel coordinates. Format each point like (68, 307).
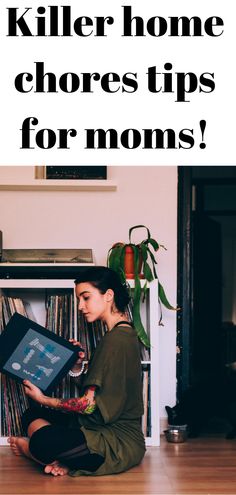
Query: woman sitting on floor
(100, 431)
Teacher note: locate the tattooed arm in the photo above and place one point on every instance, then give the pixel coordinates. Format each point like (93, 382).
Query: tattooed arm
(82, 405)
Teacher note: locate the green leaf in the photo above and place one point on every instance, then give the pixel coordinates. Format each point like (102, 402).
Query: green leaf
(144, 251)
(142, 335)
(153, 263)
(163, 247)
(153, 243)
(145, 289)
(147, 272)
(122, 265)
(136, 261)
(138, 227)
(115, 261)
(137, 301)
(146, 268)
(163, 298)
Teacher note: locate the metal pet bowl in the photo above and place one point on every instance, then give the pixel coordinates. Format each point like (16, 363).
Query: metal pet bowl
(176, 434)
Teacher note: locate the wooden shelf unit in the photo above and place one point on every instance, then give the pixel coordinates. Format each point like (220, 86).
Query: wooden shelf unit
(58, 185)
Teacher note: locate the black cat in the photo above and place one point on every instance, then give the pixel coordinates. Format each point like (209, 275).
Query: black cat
(211, 399)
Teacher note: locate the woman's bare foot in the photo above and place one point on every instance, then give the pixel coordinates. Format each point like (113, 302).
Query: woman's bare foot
(56, 469)
(19, 446)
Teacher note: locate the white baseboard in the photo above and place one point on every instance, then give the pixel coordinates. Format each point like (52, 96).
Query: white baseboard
(163, 424)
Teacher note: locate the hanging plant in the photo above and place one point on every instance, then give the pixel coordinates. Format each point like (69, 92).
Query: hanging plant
(137, 261)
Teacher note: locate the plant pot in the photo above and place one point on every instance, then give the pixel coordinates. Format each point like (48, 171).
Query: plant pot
(129, 263)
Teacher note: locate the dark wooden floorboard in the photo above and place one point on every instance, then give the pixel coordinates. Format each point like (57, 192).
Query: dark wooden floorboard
(199, 466)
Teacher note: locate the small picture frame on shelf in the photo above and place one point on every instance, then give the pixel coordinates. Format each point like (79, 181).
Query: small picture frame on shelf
(29, 351)
(71, 172)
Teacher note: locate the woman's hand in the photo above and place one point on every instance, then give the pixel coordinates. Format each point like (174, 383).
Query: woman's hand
(34, 392)
(81, 355)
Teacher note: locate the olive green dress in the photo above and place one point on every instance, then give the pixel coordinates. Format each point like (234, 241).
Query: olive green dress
(114, 429)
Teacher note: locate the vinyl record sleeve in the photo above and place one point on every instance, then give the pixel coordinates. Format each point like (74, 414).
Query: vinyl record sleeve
(29, 351)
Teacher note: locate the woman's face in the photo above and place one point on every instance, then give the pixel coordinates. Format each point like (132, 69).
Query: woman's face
(92, 303)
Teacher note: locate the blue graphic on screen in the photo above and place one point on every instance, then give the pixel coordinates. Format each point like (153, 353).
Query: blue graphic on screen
(37, 359)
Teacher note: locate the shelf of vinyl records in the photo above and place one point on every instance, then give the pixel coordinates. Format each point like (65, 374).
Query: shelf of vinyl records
(52, 303)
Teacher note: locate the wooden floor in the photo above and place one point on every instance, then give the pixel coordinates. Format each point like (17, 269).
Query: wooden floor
(205, 465)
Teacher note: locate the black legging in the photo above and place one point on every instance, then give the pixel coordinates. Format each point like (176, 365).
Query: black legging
(59, 441)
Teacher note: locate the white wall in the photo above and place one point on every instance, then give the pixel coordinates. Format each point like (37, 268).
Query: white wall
(145, 195)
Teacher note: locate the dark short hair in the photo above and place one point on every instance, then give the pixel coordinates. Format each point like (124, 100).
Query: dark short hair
(104, 278)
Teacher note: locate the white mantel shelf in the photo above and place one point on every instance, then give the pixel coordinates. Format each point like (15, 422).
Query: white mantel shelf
(59, 185)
